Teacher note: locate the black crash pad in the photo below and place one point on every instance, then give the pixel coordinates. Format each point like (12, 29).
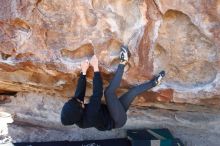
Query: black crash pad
(107, 142)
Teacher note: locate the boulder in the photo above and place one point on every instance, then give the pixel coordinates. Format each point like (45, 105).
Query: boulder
(43, 42)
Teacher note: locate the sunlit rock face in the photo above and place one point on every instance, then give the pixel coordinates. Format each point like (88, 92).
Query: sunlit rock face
(188, 48)
(42, 43)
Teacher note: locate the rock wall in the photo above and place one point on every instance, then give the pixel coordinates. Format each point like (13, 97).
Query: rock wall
(42, 43)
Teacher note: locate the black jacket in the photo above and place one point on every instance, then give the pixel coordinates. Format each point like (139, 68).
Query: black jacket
(95, 114)
(101, 120)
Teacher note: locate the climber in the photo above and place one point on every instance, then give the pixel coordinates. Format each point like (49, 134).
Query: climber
(95, 114)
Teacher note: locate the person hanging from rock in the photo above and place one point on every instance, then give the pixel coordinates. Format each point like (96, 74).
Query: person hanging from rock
(96, 114)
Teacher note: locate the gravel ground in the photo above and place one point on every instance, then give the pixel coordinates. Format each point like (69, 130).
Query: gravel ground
(194, 129)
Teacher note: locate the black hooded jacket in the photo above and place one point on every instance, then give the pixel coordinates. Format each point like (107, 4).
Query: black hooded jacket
(95, 114)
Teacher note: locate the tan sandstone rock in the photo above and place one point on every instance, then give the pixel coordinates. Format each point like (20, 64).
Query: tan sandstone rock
(42, 43)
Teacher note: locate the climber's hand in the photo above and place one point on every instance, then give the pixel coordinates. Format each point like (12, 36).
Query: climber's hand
(85, 66)
(95, 63)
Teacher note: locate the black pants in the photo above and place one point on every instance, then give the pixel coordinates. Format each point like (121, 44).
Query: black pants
(116, 106)
(119, 106)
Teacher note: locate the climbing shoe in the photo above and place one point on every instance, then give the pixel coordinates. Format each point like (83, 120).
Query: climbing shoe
(124, 54)
(158, 78)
